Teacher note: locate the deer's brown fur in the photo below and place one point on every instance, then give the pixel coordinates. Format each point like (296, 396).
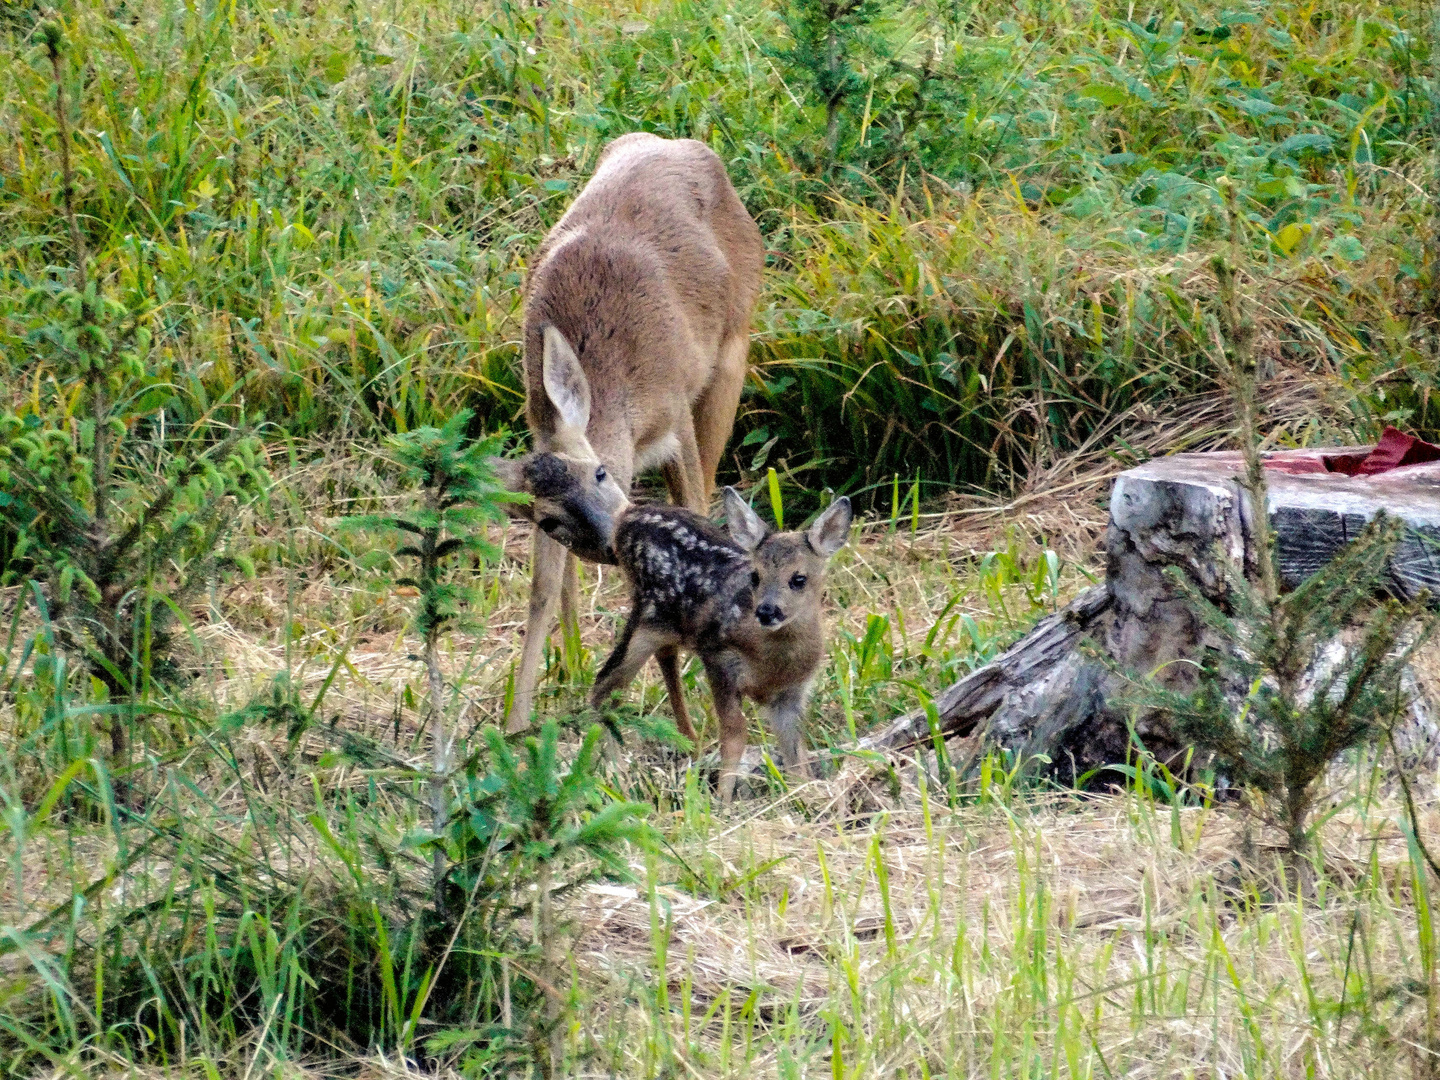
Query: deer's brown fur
(637, 321)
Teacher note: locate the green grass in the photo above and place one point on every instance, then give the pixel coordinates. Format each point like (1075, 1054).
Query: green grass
(332, 204)
(998, 277)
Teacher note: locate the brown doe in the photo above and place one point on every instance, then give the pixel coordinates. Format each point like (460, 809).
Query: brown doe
(748, 604)
(637, 330)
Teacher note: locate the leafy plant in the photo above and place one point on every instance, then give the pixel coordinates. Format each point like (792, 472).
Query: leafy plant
(459, 495)
(118, 536)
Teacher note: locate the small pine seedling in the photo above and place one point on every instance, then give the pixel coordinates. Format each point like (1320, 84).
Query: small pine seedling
(1285, 694)
(459, 495)
(553, 829)
(112, 544)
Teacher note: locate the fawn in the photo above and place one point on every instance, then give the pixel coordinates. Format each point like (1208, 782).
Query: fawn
(747, 603)
(637, 323)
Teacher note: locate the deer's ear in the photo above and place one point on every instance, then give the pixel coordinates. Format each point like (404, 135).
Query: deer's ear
(511, 474)
(565, 383)
(746, 529)
(832, 528)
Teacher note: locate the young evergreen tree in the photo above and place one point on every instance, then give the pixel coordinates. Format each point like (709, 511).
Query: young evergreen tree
(534, 827)
(828, 38)
(114, 538)
(459, 495)
(1303, 675)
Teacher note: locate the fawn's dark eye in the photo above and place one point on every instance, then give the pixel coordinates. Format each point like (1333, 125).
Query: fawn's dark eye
(754, 578)
(797, 581)
(600, 474)
(550, 524)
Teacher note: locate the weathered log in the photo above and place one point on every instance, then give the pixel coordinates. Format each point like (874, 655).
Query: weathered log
(1023, 666)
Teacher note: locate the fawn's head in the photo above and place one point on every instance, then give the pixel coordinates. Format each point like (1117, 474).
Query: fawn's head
(573, 497)
(787, 578)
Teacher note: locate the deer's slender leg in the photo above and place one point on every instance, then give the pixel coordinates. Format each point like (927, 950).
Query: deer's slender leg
(784, 714)
(669, 659)
(732, 728)
(570, 601)
(714, 412)
(547, 564)
(636, 644)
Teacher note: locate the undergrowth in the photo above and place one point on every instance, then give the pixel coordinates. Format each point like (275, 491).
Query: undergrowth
(333, 204)
(987, 231)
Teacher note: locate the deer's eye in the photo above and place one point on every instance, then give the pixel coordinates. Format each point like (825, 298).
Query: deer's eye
(550, 524)
(600, 474)
(754, 579)
(797, 581)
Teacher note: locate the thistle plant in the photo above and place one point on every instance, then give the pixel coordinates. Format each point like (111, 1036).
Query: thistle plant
(458, 495)
(113, 543)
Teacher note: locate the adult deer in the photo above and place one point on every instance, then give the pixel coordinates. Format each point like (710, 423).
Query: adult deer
(637, 328)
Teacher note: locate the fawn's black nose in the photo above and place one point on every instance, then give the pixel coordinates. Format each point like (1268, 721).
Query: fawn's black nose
(769, 614)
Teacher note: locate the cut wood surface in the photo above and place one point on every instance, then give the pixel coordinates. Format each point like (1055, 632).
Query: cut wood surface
(1314, 514)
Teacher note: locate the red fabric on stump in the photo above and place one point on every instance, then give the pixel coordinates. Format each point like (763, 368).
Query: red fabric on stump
(1395, 450)
(1298, 466)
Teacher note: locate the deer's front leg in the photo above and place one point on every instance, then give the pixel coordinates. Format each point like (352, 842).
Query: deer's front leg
(547, 564)
(784, 714)
(732, 727)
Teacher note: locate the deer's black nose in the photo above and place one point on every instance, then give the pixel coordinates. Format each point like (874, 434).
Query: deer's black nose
(769, 614)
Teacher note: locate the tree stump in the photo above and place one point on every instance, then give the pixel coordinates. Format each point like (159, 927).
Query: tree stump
(1048, 696)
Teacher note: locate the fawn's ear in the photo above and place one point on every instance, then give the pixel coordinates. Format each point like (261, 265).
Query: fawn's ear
(832, 528)
(511, 474)
(565, 383)
(746, 529)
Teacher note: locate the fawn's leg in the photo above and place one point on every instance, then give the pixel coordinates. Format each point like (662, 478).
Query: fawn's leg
(732, 729)
(784, 714)
(669, 660)
(636, 644)
(547, 564)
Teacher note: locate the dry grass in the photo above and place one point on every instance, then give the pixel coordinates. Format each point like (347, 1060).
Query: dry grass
(847, 928)
(1077, 930)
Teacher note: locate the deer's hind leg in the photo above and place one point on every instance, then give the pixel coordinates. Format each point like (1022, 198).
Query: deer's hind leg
(669, 660)
(636, 644)
(684, 474)
(714, 411)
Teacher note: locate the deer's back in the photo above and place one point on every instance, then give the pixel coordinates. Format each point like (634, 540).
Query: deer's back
(654, 264)
(686, 576)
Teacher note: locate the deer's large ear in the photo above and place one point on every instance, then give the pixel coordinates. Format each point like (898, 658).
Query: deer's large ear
(565, 383)
(511, 474)
(746, 529)
(832, 528)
